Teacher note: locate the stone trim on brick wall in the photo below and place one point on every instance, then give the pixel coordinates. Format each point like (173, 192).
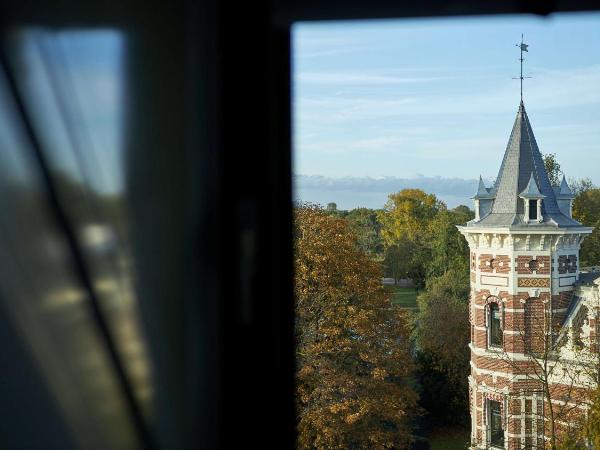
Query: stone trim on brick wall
(534, 282)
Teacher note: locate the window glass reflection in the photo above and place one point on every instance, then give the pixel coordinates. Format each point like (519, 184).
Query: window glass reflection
(72, 83)
(46, 302)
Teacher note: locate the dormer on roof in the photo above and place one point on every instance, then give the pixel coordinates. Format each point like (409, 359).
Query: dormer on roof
(564, 198)
(531, 191)
(532, 201)
(482, 191)
(483, 200)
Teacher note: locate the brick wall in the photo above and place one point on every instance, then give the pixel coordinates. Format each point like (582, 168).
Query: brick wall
(529, 264)
(489, 263)
(524, 327)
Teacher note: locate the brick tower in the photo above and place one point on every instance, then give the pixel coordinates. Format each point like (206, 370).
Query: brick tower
(524, 248)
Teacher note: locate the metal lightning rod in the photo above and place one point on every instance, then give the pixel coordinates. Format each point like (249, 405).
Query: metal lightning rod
(523, 47)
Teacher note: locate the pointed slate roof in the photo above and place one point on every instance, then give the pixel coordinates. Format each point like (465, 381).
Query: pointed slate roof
(564, 190)
(523, 171)
(482, 191)
(531, 191)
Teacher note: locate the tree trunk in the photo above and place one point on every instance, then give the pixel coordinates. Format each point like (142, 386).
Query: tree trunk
(551, 418)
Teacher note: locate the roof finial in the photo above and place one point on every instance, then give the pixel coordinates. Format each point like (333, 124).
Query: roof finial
(523, 47)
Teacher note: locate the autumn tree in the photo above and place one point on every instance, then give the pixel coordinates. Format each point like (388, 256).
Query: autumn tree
(353, 361)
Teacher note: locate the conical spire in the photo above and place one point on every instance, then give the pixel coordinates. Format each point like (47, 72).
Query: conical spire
(482, 191)
(565, 191)
(522, 162)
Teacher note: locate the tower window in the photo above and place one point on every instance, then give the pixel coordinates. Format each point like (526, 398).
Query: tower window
(495, 424)
(494, 330)
(533, 210)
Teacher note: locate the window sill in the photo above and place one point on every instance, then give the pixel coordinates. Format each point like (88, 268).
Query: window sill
(495, 349)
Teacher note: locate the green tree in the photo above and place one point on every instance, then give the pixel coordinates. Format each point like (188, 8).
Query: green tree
(552, 169)
(367, 228)
(586, 209)
(397, 263)
(352, 349)
(441, 335)
(407, 216)
(448, 249)
(590, 431)
(579, 185)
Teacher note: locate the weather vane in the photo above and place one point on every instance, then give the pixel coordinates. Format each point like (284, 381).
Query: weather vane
(523, 47)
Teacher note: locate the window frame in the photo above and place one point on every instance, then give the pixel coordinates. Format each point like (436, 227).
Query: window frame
(492, 307)
(490, 414)
(201, 42)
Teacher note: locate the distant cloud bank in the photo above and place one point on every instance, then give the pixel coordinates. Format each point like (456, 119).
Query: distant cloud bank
(353, 192)
(435, 185)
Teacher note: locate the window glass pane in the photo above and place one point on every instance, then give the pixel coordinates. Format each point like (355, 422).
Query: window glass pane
(532, 209)
(496, 431)
(495, 330)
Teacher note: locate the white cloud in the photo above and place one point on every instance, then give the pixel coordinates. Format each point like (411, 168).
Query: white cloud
(551, 89)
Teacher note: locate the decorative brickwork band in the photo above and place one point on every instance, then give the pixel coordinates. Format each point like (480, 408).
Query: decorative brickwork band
(528, 264)
(534, 282)
(494, 264)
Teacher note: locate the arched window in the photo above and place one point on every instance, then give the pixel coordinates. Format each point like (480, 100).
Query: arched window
(494, 326)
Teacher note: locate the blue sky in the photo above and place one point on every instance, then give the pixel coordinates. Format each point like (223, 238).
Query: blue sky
(382, 105)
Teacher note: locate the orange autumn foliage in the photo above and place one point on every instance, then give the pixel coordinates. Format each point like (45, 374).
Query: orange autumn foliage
(353, 361)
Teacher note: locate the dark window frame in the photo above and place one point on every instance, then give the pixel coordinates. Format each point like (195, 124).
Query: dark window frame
(223, 191)
(495, 426)
(495, 332)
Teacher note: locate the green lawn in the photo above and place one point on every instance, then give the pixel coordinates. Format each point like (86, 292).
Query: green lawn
(403, 296)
